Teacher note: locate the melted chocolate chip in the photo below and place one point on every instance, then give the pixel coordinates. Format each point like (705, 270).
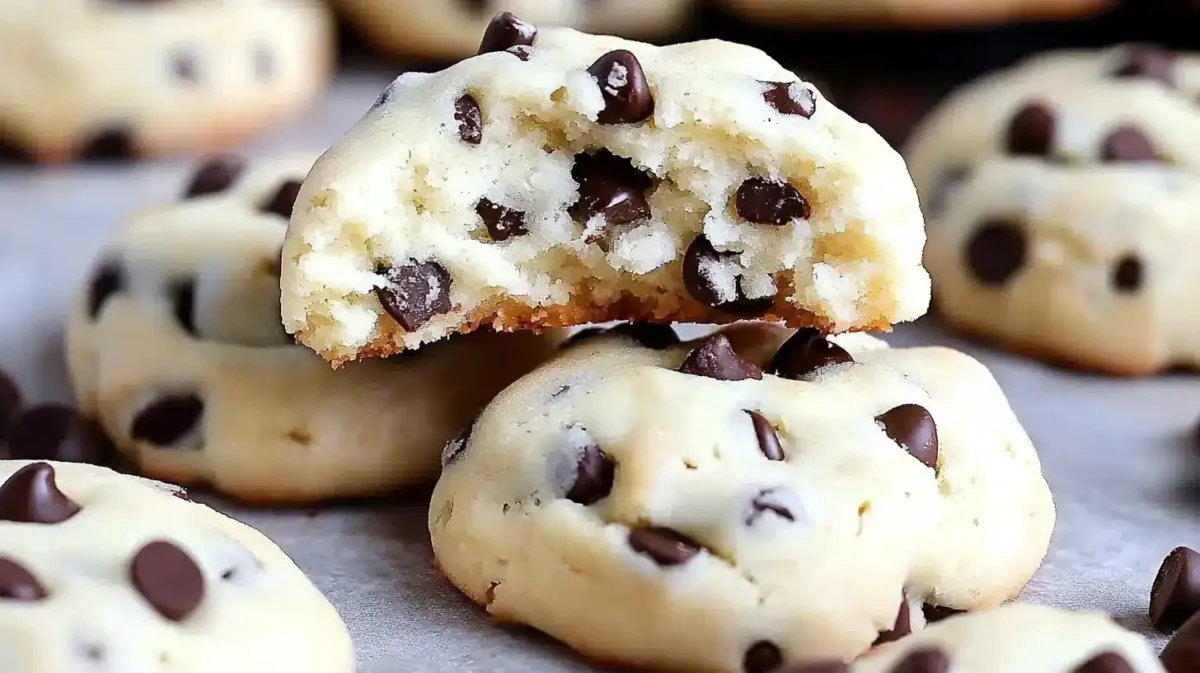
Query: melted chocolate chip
(627, 96)
(111, 144)
(593, 478)
(715, 358)
(168, 420)
(182, 293)
(18, 584)
(57, 432)
(469, 118)
(1031, 131)
(654, 336)
(1105, 662)
(996, 251)
(768, 439)
(1175, 594)
(107, 280)
(217, 174)
(806, 352)
(1147, 61)
(703, 267)
(506, 31)
(764, 201)
(1127, 144)
(773, 500)
(665, 546)
(611, 187)
(924, 660)
(502, 223)
(458, 445)
(790, 98)
(936, 613)
(415, 292)
(168, 579)
(911, 426)
(30, 495)
(283, 201)
(820, 667)
(762, 657)
(1127, 275)
(11, 402)
(901, 628)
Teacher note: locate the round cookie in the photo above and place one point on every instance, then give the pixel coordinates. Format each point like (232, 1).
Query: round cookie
(101, 571)
(927, 13)
(673, 507)
(702, 183)
(175, 346)
(120, 79)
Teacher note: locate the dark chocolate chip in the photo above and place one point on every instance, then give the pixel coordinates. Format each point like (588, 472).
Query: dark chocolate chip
(654, 336)
(1183, 651)
(593, 478)
(1147, 61)
(1105, 662)
(469, 118)
(30, 495)
(1175, 594)
(17, 583)
(820, 667)
(458, 445)
(762, 657)
(283, 201)
(901, 628)
(502, 223)
(415, 292)
(764, 201)
(791, 98)
(1031, 131)
(665, 546)
(384, 96)
(184, 66)
(768, 439)
(111, 144)
(505, 31)
(57, 432)
(715, 358)
(217, 174)
(183, 303)
(804, 353)
(698, 263)
(924, 660)
(167, 420)
(11, 402)
(107, 280)
(264, 63)
(168, 579)
(622, 82)
(936, 613)
(521, 51)
(1127, 144)
(773, 500)
(996, 251)
(911, 426)
(609, 186)
(1127, 275)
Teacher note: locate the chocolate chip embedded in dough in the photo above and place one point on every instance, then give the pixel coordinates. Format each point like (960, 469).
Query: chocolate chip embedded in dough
(912, 427)
(1128, 274)
(610, 187)
(762, 657)
(521, 51)
(1127, 144)
(506, 31)
(996, 251)
(1183, 651)
(283, 201)
(777, 501)
(1105, 662)
(622, 82)
(1175, 594)
(654, 336)
(806, 352)
(936, 613)
(791, 98)
(925, 660)
(30, 495)
(820, 667)
(715, 358)
(18, 584)
(166, 421)
(901, 628)
(1149, 62)
(217, 174)
(107, 280)
(458, 445)
(168, 578)
(110, 144)
(185, 66)
(469, 118)
(663, 545)
(182, 293)
(502, 223)
(415, 292)
(1031, 131)
(702, 266)
(593, 478)
(768, 439)
(773, 202)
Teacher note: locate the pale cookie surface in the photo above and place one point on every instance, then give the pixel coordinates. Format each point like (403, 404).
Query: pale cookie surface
(176, 347)
(913, 12)
(573, 178)
(106, 572)
(658, 506)
(123, 79)
(451, 28)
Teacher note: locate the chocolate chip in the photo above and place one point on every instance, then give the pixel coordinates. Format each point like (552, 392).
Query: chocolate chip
(1147, 61)
(264, 63)
(762, 657)
(1127, 144)
(611, 187)
(901, 628)
(1175, 594)
(505, 31)
(911, 426)
(521, 51)
(703, 267)
(217, 174)
(777, 501)
(184, 66)
(654, 336)
(168, 420)
(715, 358)
(1183, 651)
(768, 440)
(107, 280)
(11, 402)
(57, 432)
(1031, 131)
(996, 251)
(458, 445)
(790, 98)
(10, 151)
(168, 579)
(925, 660)
(583, 335)
(415, 292)
(663, 545)
(31, 495)
(183, 303)
(627, 97)
(936, 613)
(1105, 662)
(593, 478)
(111, 144)
(806, 352)
(820, 667)
(17, 583)
(502, 223)
(1127, 274)
(469, 118)
(283, 201)
(764, 201)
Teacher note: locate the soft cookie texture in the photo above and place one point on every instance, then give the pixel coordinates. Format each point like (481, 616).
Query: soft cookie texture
(176, 347)
(106, 572)
(560, 178)
(733, 504)
(912, 12)
(1061, 199)
(451, 28)
(124, 79)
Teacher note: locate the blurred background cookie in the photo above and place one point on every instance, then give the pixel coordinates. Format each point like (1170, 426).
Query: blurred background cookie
(85, 79)
(930, 13)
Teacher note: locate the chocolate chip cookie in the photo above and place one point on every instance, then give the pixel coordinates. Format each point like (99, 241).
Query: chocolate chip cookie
(914, 13)
(741, 502)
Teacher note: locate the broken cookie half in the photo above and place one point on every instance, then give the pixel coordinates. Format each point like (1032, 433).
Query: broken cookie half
(559, 178)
